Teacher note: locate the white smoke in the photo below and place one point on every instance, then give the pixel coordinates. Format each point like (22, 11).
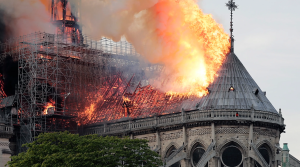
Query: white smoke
(22, 17)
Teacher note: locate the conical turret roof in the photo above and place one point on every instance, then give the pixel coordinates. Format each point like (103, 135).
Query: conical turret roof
(235, 89)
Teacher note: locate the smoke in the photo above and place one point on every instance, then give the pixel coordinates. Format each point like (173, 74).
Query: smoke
(21, 17)
(190, 44)
(9, 70)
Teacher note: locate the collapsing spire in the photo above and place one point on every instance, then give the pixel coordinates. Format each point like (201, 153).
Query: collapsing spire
(231, 6)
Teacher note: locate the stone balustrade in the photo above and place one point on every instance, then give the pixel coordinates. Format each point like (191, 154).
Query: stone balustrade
(6, 129)
(183, 117)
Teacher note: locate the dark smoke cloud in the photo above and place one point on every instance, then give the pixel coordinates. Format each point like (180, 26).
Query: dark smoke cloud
(21, 17)
(9, 70)
(4, 30)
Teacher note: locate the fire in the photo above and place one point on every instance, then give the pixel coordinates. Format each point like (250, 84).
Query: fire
(195, 47)
(90, 110)
(175, 33)
(192, 47)
(49, 106)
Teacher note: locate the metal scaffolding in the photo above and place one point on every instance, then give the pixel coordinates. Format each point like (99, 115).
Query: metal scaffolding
(66, 80)
(58, 75)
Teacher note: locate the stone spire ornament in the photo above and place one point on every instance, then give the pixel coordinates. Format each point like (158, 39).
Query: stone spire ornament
(231, 6)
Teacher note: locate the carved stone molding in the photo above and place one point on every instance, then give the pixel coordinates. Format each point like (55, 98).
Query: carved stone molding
(234, 140)
(171, 136)
(264, 132)
(201, 142)
(200, 131)
(268, 143)
(232, 130)
(149, 138)
(4, 144)
(168, 147)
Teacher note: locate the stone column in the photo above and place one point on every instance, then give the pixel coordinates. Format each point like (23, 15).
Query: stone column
(250, 141)
(184, 135)
(277, 137)
(213, 132)
(250, 134)
(158, 144)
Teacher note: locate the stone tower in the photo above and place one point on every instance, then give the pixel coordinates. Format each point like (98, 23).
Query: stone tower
(285, 156)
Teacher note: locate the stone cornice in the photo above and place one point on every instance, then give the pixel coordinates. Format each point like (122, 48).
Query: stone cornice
(190, 119)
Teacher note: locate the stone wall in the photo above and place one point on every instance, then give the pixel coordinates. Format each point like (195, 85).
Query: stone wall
(4, 151)
(224, 134)
(212, 130)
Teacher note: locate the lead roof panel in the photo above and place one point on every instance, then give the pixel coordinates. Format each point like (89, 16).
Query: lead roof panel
(233, 73)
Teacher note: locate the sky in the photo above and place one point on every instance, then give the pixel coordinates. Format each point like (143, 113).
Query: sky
(267, 39)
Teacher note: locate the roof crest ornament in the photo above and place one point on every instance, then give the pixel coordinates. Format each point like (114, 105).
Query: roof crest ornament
(231, 6)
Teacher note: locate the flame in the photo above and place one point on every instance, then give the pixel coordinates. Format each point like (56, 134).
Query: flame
(176, 33)
(192, 47)
(89, 111)
(2, 92)
(198, 47)
(50, 104)
(126, 99)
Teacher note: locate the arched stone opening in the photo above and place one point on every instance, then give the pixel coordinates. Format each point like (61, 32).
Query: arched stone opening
(196, 153)
(256, 164)
(170, 151)
(266, 152)
(232, 155)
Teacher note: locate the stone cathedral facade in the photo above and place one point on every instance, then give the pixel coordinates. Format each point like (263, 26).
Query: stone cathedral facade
(235, 125)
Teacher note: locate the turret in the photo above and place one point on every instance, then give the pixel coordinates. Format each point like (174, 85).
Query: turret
(285, 156)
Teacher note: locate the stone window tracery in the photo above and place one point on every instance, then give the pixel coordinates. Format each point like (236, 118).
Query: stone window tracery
(170, 152)
(197, 153)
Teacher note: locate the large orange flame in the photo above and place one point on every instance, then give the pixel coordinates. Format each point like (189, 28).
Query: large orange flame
(49, 105)
(198, 47)
(176, 33)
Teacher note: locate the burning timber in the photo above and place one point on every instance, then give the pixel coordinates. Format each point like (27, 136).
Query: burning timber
(65, 80)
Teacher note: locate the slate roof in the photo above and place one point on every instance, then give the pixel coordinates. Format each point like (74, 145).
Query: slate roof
(246, 92)
(7, 101)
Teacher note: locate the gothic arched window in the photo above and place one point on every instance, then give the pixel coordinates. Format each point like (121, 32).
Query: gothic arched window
(232, 156)
(170, 152)
(196, 153)
(265, 153)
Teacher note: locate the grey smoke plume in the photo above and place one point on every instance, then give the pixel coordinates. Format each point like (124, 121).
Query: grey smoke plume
(21, 17)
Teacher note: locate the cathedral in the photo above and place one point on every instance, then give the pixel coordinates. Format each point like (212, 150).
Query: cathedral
(234, 125)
